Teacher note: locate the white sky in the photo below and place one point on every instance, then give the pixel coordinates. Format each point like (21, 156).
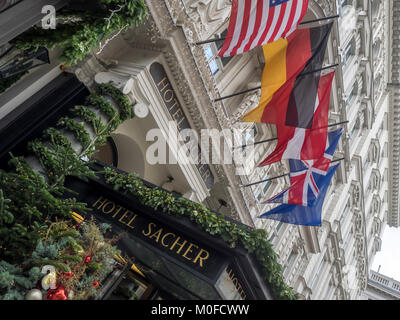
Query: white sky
(389, 256)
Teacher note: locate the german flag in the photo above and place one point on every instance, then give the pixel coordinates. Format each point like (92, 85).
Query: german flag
(302, 143)
(285, 59)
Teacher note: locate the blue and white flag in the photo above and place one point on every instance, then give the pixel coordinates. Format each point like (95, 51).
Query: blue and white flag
(301, 215)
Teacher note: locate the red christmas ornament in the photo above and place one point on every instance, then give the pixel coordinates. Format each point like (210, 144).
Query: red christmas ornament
(87, 259)
(95, 284)
(56, 294)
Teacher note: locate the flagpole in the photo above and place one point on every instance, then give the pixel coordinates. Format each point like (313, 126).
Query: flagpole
(320, 19)
(236, 94)
(302, 23)
(273, 139)
(317, 70)
(281, 176)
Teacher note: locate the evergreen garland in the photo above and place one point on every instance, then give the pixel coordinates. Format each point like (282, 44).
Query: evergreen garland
(125, 108)
(254, 241)
(101, 104)
(30, 200)
(78, 130)
(89, 116)
(83, 31)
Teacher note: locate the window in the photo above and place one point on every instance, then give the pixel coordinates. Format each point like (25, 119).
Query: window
(271, 238)
(290, 258)
(262, 188)
(351, 95)
(374, 152)
(375, 181)
(369, 189)
(279, 226)
(219, 44)
(355, 130)
(317, 272)
(365, 164)
(345, 212)
(211, 52)
(381, 128)
(266, 185)
(250, 135)
(347, 53)
(347, 239)
(257, 194)
(212, 62)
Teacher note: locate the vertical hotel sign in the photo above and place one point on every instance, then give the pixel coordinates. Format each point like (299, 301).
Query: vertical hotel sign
(171, 102)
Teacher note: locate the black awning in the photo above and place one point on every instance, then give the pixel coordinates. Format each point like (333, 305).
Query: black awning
(174, 253)
(38, 113)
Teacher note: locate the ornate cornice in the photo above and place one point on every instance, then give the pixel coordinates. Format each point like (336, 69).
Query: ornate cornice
(393, 218)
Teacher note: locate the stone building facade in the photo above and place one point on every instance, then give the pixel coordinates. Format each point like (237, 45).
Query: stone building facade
(326, 262)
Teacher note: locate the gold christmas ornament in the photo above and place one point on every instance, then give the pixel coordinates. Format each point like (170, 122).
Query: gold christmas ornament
(34, 294)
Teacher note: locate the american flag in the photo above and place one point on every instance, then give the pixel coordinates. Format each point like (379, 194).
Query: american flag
(303, 188)
(257, 22)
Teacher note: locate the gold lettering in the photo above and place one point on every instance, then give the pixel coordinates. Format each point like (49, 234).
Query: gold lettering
(228, 276)
(175, 104)
(201, 258)
(115, 214)
(234, 284)
(177, 112)
(179, 124)
(112, 208)
(206, 175)
(239, 288)
(130, 222)
(101, 203)
(124, 215)
(157, 235)
(163, 83)
(181, 245)
(189, 250)
(171, 96)
(149, 228)
(166, 235)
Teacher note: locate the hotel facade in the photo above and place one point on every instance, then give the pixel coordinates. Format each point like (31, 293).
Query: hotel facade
(173, 84)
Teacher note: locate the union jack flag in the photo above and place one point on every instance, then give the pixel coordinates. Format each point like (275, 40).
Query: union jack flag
(303, 188)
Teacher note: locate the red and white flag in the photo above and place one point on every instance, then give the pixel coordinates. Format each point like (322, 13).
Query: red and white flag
(257, 22)
(301, 143)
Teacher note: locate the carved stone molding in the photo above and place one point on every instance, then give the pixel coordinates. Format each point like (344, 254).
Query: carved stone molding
(327, 6)
(355, 191)
(207, 15)
(249, 101)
